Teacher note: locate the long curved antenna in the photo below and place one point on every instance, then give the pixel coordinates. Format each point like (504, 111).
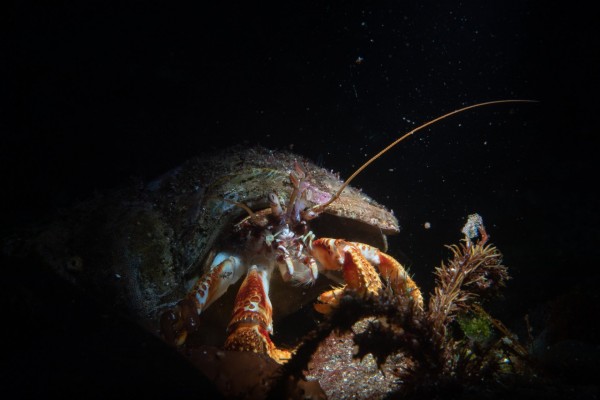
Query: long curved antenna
(320, 207)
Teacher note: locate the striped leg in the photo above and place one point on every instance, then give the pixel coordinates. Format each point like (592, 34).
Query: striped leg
(175, 324)
(252, 322)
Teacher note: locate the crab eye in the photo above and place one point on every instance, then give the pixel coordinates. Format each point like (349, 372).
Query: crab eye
(275, 204)
(308, 214)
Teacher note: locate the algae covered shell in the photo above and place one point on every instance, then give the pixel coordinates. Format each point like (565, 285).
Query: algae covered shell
(136, 247)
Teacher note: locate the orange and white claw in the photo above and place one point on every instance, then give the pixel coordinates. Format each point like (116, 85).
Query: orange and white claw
(402, 284)
(329, 300)
(252, 323)
(392, 272)
(356, 260)
(338, 254)
(359, 274)
(329, 252)
(224, 272)
(177, 323)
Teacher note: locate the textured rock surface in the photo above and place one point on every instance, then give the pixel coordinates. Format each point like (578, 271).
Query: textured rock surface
(343, 376)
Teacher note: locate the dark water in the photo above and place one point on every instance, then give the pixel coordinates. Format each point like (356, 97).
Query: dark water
(101, 94)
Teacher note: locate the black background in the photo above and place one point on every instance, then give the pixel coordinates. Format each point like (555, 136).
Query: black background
(104, 92)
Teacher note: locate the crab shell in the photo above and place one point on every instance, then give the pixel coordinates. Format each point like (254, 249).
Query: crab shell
(137, 248)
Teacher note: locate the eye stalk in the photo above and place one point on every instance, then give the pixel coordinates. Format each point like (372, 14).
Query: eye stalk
(275, 204)
(308, 214)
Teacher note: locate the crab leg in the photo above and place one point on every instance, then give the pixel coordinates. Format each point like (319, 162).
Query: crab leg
(224, 272)
(356, 260)
(252, 322)
(392, 272)
(226, 269)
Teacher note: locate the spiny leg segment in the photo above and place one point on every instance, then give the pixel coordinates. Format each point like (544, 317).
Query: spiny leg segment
(357, 261)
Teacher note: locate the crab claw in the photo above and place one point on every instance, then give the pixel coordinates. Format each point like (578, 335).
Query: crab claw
(252, 322)
(328, 300)
(359, 274)
(177, 323)
(357, 261)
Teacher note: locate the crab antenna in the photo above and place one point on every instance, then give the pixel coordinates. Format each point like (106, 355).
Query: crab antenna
(251, 213)
(320, 207)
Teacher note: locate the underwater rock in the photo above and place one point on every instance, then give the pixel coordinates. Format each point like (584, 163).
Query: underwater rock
(344, 375)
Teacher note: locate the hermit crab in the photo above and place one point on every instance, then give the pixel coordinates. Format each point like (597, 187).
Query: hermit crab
(164, 253)
(279, 237)
(214, 253)
(278, 234)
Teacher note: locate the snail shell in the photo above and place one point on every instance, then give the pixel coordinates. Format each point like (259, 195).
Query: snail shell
(135, 248)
